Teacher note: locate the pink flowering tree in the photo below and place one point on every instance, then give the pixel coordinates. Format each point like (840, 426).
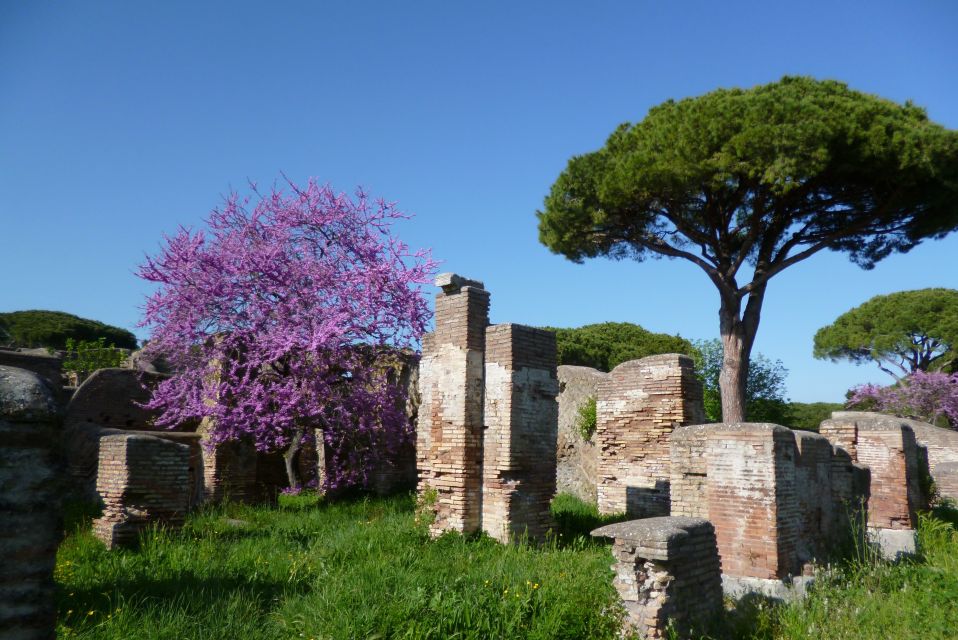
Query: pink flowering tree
(921, 395)
(276, 321)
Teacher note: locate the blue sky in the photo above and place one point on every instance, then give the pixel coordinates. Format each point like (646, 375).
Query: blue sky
(120, 121)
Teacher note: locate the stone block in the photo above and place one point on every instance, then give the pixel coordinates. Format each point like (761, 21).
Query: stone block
(667, 573)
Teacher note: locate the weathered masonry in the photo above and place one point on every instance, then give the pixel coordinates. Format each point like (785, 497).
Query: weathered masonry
(521, 417)
(142, 480)
(887, 446)
(488, 419)
(667, 573)
(449, 433)
(30, 511)
(778, 499)
(638, 407)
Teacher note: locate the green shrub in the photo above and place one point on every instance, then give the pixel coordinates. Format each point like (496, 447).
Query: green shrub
(586, 420)
(85, 357)
(809, 415)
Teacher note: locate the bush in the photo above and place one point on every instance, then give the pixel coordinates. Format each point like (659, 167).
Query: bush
(52, 329)
(587, 419)
(85, 357)
(606, 345)
(807, 416)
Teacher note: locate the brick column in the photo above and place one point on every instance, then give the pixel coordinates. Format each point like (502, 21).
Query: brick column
(449, 433)
(30, 511)
(519, 446)
(666, 572)
(638, 406)
(142, 479)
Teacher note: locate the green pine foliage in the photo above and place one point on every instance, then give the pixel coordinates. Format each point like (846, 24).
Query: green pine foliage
(52, 329)
(900, 332)
(606, 345)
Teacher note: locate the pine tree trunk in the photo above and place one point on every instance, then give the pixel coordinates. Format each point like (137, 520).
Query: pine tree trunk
(737, 339)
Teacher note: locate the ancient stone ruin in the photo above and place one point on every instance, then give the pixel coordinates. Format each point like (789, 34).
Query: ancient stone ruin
(142, 481)
(667, 573)
(502, 378)
(30, 511)
(638, 406)
(898, 464)
(578, 457)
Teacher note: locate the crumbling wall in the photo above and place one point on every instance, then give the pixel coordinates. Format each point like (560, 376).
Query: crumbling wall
(887, 446)
(519, 446)
(941, 446)
(449, 434)
(778, 499)
(667, 573)
(578, 459)
(142, 479)
(30, 511)
(638, 407)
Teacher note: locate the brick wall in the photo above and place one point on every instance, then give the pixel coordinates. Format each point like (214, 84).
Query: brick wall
(449, 433)
(752, 498)
(667, 573)
(521, 419)
(887, 446)
(941, 445)
(30, 511)
(689, 471)
(637, 409)
(142, 480)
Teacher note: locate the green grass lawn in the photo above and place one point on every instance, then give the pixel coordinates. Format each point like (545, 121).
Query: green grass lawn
(362, 569)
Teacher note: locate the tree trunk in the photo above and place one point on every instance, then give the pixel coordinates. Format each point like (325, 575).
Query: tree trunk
(290, 455)
(738, 335)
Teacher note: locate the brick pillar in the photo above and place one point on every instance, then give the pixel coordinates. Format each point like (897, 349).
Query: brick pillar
(638, 406)
(142, 480)
(30, 511)
(449, 433)
(752, 499)
(667, 573)
(519, 446)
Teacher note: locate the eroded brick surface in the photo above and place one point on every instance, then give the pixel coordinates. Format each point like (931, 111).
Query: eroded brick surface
(521, 419)
(638, 407)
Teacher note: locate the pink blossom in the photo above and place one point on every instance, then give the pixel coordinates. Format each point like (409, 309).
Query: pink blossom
(273, 317)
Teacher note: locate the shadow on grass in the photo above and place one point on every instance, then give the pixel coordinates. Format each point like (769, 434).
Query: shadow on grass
(190, 593)
(576, 519)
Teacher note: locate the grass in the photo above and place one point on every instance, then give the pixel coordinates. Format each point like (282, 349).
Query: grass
(307, 569)
(362, 569)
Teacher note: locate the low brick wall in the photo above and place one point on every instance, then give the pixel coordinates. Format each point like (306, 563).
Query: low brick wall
(887, 446)
(946, 480)
(666, 572)
(779, 499)
(142, 480)
(638, 407)
(521, 420)
(31, 487)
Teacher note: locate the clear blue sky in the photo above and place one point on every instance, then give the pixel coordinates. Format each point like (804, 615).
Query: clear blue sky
(121, 120)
